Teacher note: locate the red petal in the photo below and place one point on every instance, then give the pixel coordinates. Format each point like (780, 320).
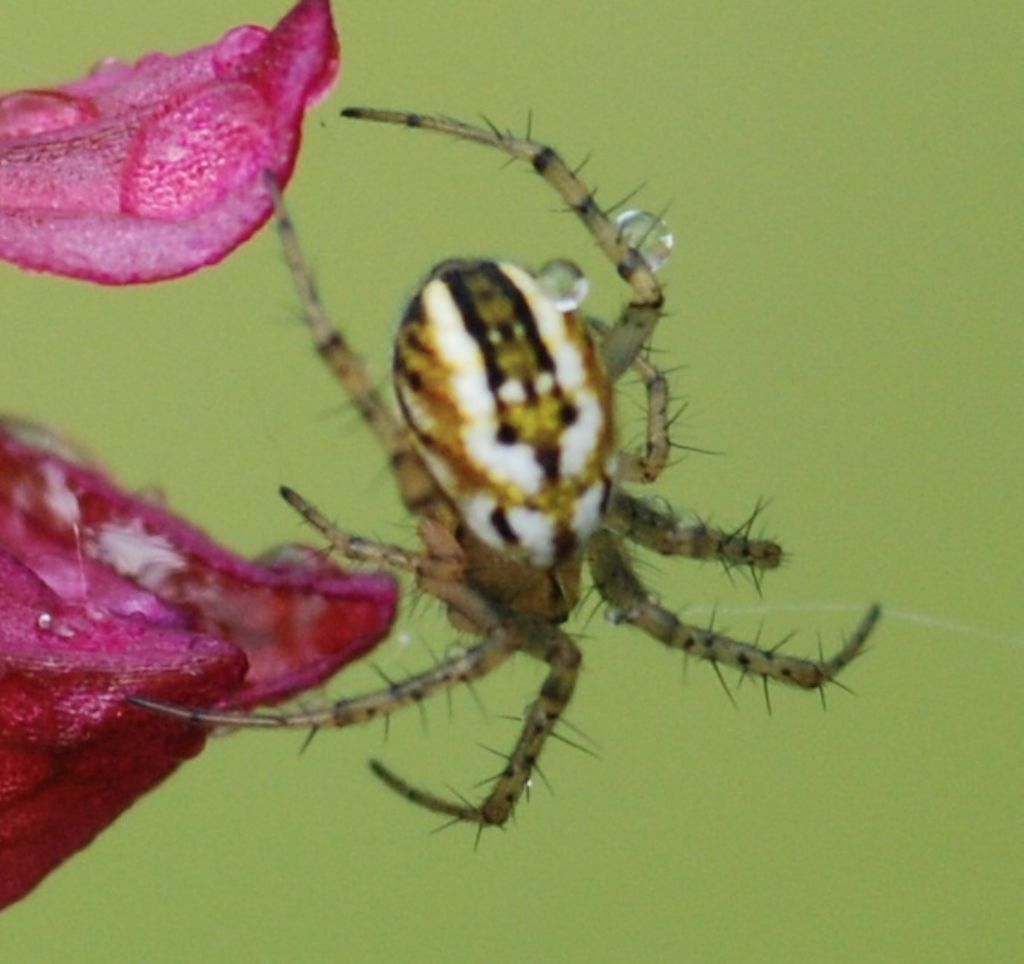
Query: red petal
(299, 618)
(73, 753)
(105, 595)
(148, 171)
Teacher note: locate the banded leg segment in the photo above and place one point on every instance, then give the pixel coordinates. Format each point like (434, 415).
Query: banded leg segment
(417, 487)
(368, 551)
(472, 663)
(503, 633)
(563, 656)
(640, 522)
(648, 465)
(638, 320)
(619, 586)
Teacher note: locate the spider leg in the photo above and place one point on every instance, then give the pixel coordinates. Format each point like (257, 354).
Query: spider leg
(416, 485)
(640, 316)
(563, 656)
(619, 586)
(644, 524)
(646, 466)
(359, 549)
(468, 664)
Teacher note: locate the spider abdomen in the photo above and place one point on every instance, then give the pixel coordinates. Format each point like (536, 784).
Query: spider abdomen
(508, 398)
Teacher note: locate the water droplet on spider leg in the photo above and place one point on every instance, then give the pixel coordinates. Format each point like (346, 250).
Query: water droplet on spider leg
(614, 616)
(648, 234)
(564, 283)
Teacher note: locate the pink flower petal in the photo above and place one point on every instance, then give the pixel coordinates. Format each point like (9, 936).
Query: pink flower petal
(151, 170)
(105, 595)
(73, 753)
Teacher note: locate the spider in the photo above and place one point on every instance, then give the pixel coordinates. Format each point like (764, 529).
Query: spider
(504, 449)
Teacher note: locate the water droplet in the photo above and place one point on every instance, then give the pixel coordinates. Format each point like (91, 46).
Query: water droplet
(48, 624)
(291, 555)
(186, 160)
(40, 436)
(564, 283)
(28, 112)
(236, 50)
(614, 616)
(109, 65)
(648, 234)
(153, 494)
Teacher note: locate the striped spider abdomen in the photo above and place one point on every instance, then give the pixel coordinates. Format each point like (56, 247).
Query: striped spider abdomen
(509, 400)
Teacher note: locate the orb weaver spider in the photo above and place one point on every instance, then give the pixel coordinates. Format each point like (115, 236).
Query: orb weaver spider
(504, 449)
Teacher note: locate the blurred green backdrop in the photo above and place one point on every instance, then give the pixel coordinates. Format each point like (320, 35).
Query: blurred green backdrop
(847, 317)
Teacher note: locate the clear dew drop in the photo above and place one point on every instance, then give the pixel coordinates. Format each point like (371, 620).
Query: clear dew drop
(648, 234)
(564, 283)
(614, 616)
(48, 624)
(406, 639)
(44, 437)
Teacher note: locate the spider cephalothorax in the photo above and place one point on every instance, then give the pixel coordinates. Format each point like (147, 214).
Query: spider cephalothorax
(505, 450)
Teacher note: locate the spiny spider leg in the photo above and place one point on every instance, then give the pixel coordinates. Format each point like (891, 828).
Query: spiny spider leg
(646, 467)
(638, 319)
(504, 396)
(415, 483)
(497, 644)
(663, 532)
(363, 550)
(503, 634)
(543, 641)
(619, 586)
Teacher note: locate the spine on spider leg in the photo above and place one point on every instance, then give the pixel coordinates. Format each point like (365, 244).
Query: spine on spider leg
(717, 648)
(665, 533)
(639, 318)
(620, 587)
(699, 541)
(417, 486)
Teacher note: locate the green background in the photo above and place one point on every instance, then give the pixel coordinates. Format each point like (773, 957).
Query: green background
(846, 295)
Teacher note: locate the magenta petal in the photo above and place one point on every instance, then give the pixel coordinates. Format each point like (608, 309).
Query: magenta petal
(298, 617)
(148, 171)
(73, 754)
(106, 595)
